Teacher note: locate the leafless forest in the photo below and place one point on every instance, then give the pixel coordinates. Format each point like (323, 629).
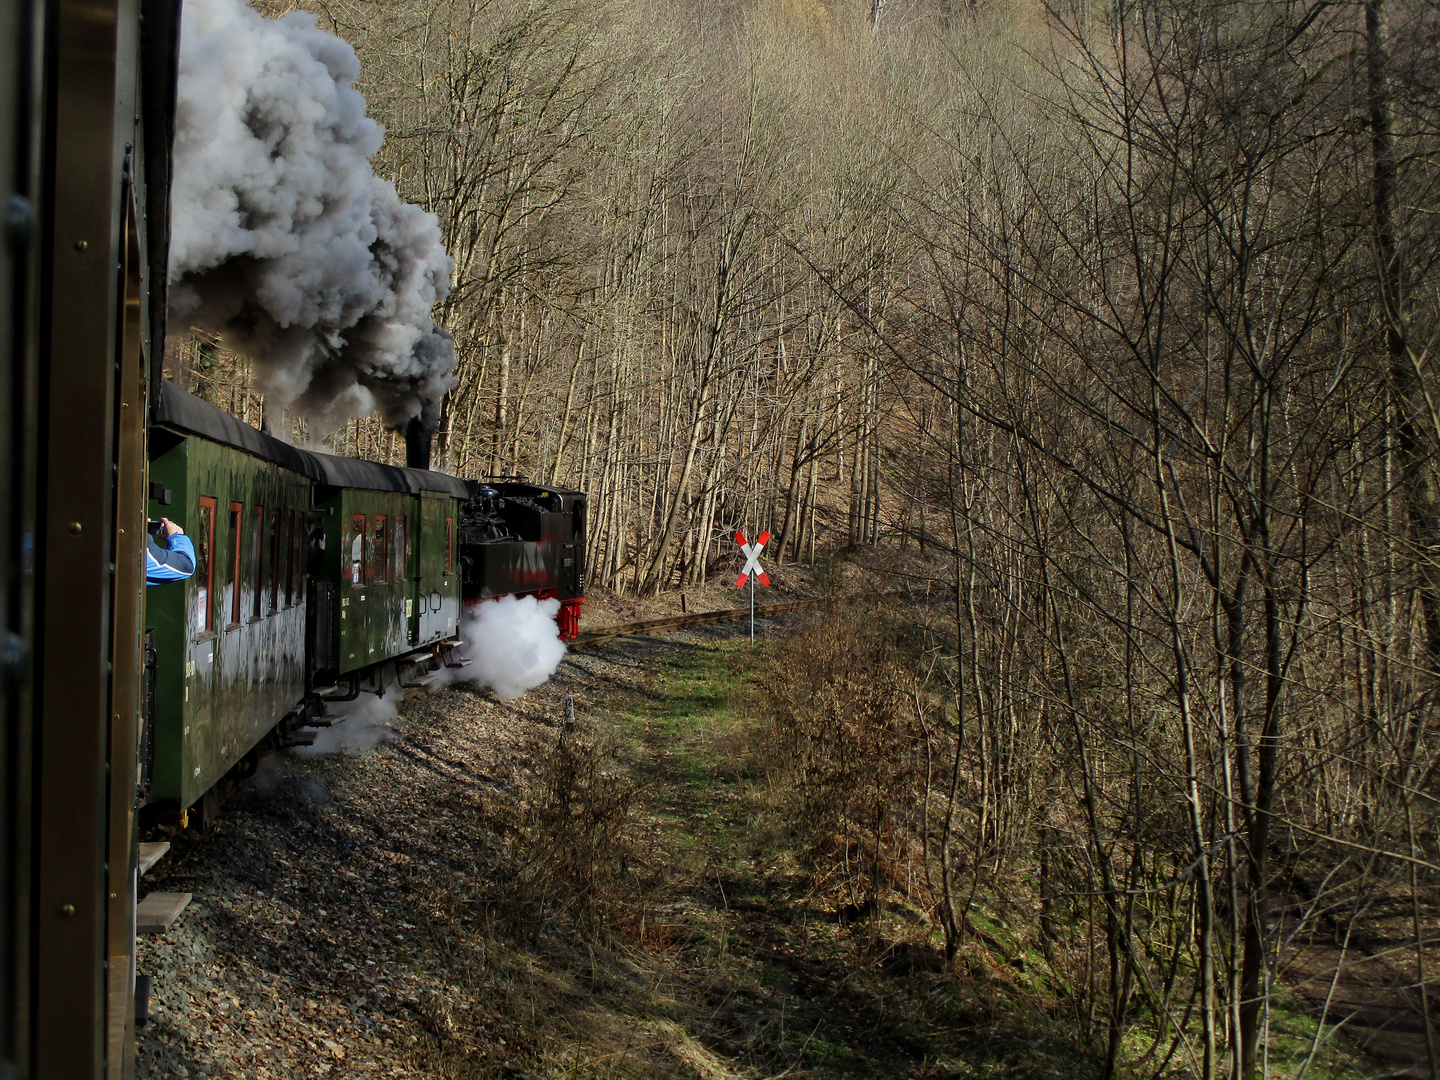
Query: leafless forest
(1123, 316)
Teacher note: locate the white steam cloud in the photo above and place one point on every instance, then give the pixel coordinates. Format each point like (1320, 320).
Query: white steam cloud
(283, 240)
(356, 726)
(512, 643)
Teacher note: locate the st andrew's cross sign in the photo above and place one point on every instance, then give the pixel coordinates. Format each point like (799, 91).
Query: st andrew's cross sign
(752, 559)
(752, 570)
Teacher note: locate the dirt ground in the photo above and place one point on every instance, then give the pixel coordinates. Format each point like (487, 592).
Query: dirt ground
(338, 902)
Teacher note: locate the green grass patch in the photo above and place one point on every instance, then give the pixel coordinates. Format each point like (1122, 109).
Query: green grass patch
(696, 698)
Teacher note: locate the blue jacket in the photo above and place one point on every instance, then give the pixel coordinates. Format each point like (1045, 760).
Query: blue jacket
(175, 564)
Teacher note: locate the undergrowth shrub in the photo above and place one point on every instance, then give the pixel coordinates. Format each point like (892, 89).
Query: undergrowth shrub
(576, 838)
(847, 753)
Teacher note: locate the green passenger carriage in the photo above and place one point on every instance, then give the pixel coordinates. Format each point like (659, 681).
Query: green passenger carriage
(313, 572)
(233, 634)
(385, 584)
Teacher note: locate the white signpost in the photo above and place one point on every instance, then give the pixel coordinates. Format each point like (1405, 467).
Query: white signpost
(752, 570)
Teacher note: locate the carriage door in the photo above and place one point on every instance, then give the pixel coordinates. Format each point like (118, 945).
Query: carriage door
(405, 574)
(431, 583)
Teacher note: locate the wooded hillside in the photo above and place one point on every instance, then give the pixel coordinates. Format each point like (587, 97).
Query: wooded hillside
(1123, 314)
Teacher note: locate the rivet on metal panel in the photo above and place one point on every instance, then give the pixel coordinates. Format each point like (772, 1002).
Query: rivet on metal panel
(81, 245)
(75, 528)
(67, 910)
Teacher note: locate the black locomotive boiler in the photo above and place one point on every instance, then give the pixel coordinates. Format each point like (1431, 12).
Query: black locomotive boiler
(518, 539)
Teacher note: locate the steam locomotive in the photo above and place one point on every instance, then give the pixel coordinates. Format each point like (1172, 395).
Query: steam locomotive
(248, 650)
(317, 575)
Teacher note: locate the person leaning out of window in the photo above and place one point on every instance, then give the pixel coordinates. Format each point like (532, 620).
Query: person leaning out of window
(169, 554)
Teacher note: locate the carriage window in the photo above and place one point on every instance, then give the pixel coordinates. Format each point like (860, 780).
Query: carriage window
(401, 552)
(378, 561)
(275, 562)
(205, 566)
(357, 549)
(449, 545)
(257, 564)
(234, 583)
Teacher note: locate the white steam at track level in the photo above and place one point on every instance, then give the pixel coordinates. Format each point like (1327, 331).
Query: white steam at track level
(283, 240)
(512, 644)
(356, 727)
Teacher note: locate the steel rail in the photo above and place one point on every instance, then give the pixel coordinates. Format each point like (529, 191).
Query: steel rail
(606, 634)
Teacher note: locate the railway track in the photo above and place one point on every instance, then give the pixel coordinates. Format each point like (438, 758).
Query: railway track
(595, 639)
(606, 634)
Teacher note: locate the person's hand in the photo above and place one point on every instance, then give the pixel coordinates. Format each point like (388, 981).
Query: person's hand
(168, 528)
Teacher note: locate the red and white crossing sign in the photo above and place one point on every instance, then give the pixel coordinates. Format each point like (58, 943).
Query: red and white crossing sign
(752, 559)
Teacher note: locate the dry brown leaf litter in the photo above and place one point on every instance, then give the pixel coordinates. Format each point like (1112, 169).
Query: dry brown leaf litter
(327, 913)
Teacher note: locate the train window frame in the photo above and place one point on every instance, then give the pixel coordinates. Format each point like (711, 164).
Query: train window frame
(276, 553)
(356, 553)
(400, 548)
(236, 510)
(257, 560)
(205, 568)
(449, 545)
(377, 549)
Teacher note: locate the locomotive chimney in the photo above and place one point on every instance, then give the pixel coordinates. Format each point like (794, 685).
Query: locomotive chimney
(418, 435)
